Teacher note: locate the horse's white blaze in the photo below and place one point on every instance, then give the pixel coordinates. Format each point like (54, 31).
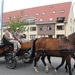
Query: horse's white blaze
(55, 71)
(35, 68)
(46, 68)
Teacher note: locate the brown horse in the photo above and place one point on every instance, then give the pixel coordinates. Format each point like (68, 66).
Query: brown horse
(49, 60)
(53, 47)
(26, 45)
(4, 49)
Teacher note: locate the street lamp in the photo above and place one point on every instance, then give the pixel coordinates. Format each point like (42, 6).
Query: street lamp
(1, 15)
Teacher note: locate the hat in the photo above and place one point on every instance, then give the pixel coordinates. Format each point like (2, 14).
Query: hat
(8, 26)
(17, 28)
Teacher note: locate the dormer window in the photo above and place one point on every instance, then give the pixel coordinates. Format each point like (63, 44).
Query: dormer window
(26, 15)
(60, 19)
(62, 11)
(43, 13)
(37, 14)
(41, 19)
(14, 17)
(8, 18)
(53, 12)
(51, 19)
(21, 16)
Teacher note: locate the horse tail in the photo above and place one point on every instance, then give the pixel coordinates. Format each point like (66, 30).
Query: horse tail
(33, 49)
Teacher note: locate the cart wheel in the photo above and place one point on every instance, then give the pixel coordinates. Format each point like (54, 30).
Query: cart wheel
(10, 62)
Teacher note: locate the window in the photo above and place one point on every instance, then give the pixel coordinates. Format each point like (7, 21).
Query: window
(60, 36)
(37, 14)
(4, 30)
(26, 21)
(42, 35)
(32, 28)
(73, 29)
(70, 28)
(14, 17)
(4, 24)
(21, 16)
(43, 13)
(8, 18)
(51, 19)
(60, 19)
(62, 11)
(53, 12)
(70, 20)
(26, 15)
(41, 19)
(41, 28)
(32, 36)
(48, 28)
(32, 22)
(60, 27)
(50, 36)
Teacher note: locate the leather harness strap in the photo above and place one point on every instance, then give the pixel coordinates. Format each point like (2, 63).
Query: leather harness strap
(60, 44)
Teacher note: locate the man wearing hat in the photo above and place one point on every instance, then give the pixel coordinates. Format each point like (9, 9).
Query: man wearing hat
(18, 35)
(10, 37)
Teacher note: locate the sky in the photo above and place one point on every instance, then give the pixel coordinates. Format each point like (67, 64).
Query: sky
(12, 5)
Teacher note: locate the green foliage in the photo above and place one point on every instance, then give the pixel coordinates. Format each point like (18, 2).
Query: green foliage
(17, 22)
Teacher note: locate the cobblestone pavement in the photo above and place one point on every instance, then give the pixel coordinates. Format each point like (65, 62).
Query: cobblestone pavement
(27, 69)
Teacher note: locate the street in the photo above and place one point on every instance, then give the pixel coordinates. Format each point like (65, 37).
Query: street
(28, 69)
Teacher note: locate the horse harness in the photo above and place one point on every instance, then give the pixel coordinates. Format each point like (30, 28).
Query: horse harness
(60, 44)
(71, 42)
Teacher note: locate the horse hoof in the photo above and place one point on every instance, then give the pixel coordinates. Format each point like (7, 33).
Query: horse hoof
(66, 70)
(46, 71)
(72, 69)
(55, 71)
(35, 69)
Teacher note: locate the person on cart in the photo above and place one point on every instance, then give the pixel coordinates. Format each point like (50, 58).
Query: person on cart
(10, 38)
(19, 36)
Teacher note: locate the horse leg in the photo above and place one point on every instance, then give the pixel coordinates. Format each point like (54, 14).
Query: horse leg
(37, 56)
(48, 57)
(66, 67)
(74, 63)
(68, 60)
(63, 60)
(43, 60)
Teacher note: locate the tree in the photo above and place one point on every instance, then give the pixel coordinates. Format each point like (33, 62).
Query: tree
(17, 22)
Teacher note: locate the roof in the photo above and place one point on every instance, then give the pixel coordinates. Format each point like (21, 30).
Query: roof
(47, 13)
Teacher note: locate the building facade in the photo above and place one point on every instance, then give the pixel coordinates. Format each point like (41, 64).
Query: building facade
(53, 21)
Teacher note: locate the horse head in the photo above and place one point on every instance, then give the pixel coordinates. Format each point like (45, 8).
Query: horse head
(71, 37)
